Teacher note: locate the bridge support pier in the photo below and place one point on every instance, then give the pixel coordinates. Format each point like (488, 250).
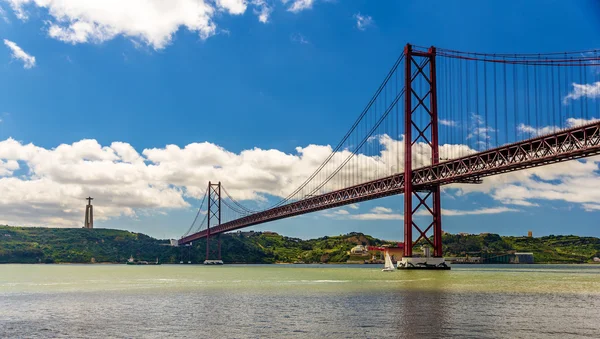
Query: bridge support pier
(421, 126)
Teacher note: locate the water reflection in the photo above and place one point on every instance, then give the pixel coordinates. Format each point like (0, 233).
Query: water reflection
(422, 313)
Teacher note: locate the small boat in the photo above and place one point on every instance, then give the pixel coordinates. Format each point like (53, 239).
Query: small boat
(389, 265)
(132, 261)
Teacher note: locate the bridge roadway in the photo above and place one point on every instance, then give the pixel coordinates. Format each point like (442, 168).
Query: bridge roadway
(573, 143)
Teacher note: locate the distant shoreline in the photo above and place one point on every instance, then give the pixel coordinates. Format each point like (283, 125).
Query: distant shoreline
(108, 246)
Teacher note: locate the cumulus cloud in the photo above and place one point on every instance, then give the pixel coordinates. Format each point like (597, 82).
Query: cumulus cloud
(380, 210)
(19, 54)
(127, 182)
(262, 10)
(298, 5)
(46, 186)
(536, 131)
(234, 7)
(447, 122)
(479, 130)
(591, 207)
(377, 213)
(570, 122)
(583, 90)
(151, 22)
(384, 213)
(363, 21)
(492, 210)
(575, 181)
(377, 216)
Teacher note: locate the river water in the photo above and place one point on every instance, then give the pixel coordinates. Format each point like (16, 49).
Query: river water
(303, 301)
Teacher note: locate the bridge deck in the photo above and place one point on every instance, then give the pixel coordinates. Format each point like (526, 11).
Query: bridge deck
(574, 143)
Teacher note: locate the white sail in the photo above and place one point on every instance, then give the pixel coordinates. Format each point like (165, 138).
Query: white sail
(389, 265)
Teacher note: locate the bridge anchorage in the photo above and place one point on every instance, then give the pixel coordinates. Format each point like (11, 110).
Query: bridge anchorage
(440, 117)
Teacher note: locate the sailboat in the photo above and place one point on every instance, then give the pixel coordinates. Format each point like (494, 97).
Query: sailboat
(389, 265)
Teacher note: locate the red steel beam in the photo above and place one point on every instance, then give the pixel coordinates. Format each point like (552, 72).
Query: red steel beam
(408, 140)
(573, 143)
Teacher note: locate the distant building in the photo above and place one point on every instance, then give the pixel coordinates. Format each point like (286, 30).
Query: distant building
(523, 258)
(530, 234)
(460, 260)
(426, 251)
(596, 259)
(173, 242)
(360, 249)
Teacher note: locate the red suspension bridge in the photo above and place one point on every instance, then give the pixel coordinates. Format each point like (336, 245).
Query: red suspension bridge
(440, 117)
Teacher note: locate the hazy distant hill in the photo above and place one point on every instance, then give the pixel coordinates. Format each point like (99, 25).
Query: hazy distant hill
(78, 245)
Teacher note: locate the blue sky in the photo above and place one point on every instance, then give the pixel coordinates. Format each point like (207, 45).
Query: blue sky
(239, 84)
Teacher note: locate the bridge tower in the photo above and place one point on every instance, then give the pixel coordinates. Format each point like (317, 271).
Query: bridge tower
(421, 126)
(214, 217)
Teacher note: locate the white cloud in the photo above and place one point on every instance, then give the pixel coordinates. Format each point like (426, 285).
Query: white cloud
(591, 207)
(376, 213)
(4, 16)
(574, 122)
(493, 210)
(53, 181)
(576, 181)
(571, 122)
(480, 130)
(262, 10)
(297, 37)
(447, 122)
(583, 90)
(380, 210)
(481, 211)
(235, 7)
(363, 21)
(536, 131)
(8, 167)
(127, 182)
(18, 53)
(151, 22)
(17, 6)
(298, 5)
(377, 216)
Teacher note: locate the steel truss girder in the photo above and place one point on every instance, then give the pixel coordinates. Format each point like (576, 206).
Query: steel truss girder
(573, 143)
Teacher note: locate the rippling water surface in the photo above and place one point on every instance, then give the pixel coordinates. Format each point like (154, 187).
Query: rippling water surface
(275, 301)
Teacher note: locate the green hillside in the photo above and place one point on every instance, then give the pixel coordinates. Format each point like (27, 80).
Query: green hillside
(78, 245)
(549, 249)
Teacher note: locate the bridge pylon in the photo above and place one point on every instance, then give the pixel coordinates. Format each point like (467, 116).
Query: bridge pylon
(214, 218)
(421, 126)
